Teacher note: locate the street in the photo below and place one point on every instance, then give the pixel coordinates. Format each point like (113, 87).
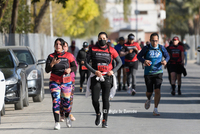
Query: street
(179, 114)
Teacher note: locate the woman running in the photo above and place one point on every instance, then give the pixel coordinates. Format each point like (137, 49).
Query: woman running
(62, 117)
(60, 64)
(176, 63)
(101, 56)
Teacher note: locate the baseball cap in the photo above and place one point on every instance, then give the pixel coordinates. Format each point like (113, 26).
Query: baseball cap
(108, 41)
(121, 38)
(85, 44)
(131, 36)
(176, 38)
(73, 42)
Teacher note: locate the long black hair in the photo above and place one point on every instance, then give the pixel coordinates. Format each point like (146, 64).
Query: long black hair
(61, 40)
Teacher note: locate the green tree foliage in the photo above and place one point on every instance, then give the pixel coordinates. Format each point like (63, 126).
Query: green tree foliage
(176, 19)
(193, 7)
(80, 18)
(23, 23)
(98, 24)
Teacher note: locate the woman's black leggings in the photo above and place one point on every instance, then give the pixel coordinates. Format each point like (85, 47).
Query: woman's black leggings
(82, 75)
(96, 87)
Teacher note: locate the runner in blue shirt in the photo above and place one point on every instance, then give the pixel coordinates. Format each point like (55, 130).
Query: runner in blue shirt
(118, 48)
(151, 55)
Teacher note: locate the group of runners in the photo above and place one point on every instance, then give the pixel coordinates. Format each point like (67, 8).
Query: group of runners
(97, 62)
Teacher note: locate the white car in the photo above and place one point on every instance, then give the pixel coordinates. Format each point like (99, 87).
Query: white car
(2, 93)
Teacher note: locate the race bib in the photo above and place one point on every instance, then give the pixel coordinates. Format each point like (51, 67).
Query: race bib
(66, 78)
(103, 67)
(175, 54)
(83, 67)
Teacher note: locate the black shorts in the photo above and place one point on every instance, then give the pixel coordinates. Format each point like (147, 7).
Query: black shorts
(177, 68)
(134, 64)
(153, 82)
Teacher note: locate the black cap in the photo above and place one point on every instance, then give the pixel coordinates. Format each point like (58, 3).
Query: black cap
(131, 36)
(85, 44)
(121, 38)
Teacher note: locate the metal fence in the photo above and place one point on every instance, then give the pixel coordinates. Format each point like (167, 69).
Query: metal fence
(41, 44)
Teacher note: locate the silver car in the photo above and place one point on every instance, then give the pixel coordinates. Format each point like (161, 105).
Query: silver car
(35, 74)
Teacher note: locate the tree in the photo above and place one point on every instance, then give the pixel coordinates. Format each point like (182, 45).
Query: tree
(23, 24)
(193, 7)
(43, 9)
(3, 5)
(14, 16)
(76, 15)
(176, 19)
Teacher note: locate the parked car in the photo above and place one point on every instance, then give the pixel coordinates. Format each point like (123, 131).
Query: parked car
(35, 74)
(2, 93)
(15, 76)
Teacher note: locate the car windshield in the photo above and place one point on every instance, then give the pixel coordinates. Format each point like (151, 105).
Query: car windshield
(24, 56)
(6, 60)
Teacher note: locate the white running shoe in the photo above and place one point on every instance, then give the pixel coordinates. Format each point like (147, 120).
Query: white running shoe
(72, 118)
(133, 92)
(68, 122)
(148, 103)
(62, 118)
(57, 126)
(156, 113)
(129, 90)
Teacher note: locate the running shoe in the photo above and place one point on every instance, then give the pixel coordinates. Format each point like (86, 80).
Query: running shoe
(156, 113)
(81, 89)
(119, 87)
(173, 92)
(98, 119)
(72, 117)
(147, 104)
(104, 124)
(68, 122)
(57, 126)
(129, 90)
(179, 92)
(124, 88)
(133, 92)
(62, 118)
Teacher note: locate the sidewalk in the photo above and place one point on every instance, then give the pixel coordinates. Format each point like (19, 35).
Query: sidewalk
(179, 114)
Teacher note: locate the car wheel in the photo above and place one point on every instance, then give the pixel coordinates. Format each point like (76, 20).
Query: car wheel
(26, 101)
(19, 104)
(3, 110)
(39, 97)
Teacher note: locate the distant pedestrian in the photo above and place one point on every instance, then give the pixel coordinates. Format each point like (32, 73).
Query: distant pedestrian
(118, 48)
(60, 64)
(102, 77)
(81, 60)
(91, 43)
(186, 48)
(151, 55)
(73, 49)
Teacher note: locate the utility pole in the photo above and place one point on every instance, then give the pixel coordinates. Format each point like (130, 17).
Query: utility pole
(51, 20)
(136, 13)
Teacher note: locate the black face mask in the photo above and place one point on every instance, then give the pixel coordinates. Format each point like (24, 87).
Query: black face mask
(102, 42)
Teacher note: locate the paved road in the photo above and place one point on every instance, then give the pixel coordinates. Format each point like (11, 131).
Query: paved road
(179, 114)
